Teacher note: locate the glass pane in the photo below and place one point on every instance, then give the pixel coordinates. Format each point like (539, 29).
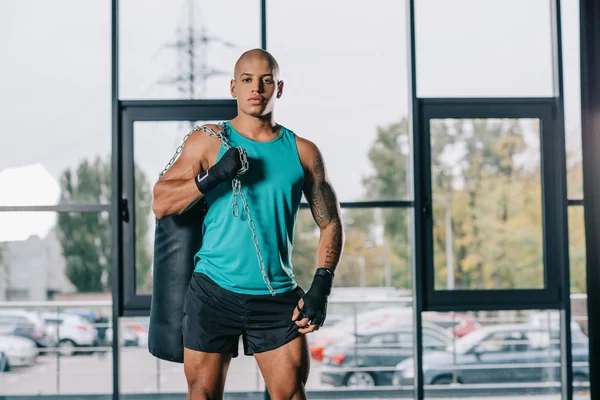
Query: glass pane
(143, 373)
(579, 312)
(333, 69)
(77, 362)
(572, 85)
(369, 315)
(55, 113)
(154, 144)
(183, 49)
(494, 48)
(505, 354)
(56, 344)
(487, 204)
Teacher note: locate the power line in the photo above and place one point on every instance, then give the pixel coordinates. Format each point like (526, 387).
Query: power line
(193, 69)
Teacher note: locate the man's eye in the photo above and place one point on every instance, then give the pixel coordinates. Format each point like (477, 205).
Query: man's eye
(246, 80)
(269, 81)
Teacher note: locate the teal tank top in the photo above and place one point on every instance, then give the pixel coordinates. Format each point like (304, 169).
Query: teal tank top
(273, 188)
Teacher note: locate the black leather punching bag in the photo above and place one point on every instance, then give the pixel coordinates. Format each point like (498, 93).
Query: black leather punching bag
(177, 239)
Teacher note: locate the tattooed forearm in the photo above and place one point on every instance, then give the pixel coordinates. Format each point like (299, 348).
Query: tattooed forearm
(323, 199)
(333, 242)
(326, 212)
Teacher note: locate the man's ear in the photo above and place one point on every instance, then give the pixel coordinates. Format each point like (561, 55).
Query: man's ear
(232, 88)
(279, 89)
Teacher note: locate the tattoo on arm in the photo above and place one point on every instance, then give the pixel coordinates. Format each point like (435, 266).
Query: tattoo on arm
(322, 197)
(333, 246)
(326, 212)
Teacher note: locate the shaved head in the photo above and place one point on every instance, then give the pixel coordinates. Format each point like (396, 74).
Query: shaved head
(256, 54)
(256, 83)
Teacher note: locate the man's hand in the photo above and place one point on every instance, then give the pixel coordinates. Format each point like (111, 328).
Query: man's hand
(225, 170)
(311, 310)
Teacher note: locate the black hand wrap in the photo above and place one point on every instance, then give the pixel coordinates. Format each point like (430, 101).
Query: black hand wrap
(315, 300)
(225, 170)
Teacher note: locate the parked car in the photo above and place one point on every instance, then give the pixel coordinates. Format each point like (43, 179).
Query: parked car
(98, 320)
(456, 324)
(25, 324)
(139, 327)
(499, 354)
(71, 332)
(20, 352)
(128, 337)
(362, 323)
(349, 362)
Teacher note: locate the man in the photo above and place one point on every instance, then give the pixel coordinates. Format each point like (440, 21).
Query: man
(239, 289)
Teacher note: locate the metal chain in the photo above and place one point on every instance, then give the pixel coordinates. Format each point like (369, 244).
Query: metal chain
(236, 189)
(177, 152)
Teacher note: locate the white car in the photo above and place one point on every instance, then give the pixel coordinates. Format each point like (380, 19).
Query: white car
(70, 331)
(20, 352)
(37, 330)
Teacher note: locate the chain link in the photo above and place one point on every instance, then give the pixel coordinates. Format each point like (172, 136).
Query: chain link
(236, 189)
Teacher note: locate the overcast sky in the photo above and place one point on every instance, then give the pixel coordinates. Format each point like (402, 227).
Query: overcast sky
(345, 69)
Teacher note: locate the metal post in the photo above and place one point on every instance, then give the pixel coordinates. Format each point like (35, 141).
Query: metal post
(116, 195)
(589, 14)
(263, 24)
(419, 203)
(561, 217)
(57, 350)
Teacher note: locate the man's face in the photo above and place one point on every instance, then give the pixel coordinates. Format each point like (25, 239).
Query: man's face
(256, 86)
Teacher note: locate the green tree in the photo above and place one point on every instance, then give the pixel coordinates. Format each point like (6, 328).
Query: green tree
(491, 179)
(86, 237)
(390, 158)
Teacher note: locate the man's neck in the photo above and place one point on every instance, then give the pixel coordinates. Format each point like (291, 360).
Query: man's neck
(255, 128)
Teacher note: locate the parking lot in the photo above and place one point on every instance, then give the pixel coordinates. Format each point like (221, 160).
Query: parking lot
(383, 343)
(141, 373)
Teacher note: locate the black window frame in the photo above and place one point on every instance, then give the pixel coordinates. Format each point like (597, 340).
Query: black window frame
(554, 203)
(133, 303)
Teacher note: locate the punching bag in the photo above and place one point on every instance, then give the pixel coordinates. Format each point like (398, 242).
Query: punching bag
(177, 239)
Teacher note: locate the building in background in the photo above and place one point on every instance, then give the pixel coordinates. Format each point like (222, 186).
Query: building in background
(32, 267)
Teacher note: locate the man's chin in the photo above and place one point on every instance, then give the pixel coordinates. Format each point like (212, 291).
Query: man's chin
(258, 113)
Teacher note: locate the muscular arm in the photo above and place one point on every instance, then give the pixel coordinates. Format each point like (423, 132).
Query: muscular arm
(324, 206)
(176, 190)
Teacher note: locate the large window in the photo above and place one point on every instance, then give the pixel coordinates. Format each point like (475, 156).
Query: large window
(492, 197)
(55, 97)
(487, 203)
(346, 90)
(55, 305)
(480, 139)
(469, 48)
(183, 49)
(500, 353)
(55, 185)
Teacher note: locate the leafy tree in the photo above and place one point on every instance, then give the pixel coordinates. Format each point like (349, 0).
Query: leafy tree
(86, 237)
(483, 169)
(390, 159)
(488, 176)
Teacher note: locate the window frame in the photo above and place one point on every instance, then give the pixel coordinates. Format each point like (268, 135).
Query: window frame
(131, 302)
(552, 159)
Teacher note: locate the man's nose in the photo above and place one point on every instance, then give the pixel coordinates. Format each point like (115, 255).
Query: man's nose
(258, 87)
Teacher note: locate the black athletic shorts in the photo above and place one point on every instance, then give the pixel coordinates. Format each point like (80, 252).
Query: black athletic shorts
(214, 318)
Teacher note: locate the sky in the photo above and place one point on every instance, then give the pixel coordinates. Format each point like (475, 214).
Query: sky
(344, 68)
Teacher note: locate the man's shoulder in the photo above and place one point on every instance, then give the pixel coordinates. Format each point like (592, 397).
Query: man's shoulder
(308, 151)
(305, 144)
(201, 135)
